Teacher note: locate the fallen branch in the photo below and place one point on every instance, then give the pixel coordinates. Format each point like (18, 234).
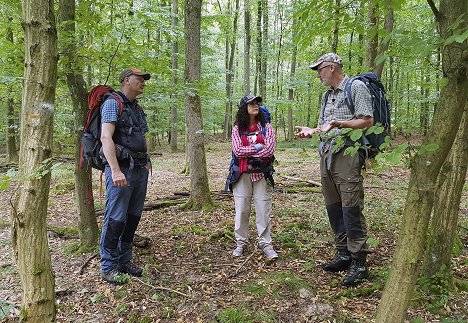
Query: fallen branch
(297, 179)
(86, 263)
(161, 287)
(159, 205)
(246, 260)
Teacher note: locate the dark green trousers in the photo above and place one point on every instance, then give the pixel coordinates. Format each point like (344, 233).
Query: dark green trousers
(344, 199)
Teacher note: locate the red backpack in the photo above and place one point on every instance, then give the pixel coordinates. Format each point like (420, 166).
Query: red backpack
(91, 139)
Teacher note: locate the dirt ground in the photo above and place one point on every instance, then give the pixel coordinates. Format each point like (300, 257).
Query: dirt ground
(190, 275)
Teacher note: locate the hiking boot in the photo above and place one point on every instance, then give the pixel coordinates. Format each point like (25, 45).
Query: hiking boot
(269, 252)
(340, 262)
(131, 269)
(357, 272)
(239, 251)
(114, 277)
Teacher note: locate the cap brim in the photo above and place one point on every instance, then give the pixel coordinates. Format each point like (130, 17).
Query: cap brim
(315, 65)
(146, 76)
(257, 98)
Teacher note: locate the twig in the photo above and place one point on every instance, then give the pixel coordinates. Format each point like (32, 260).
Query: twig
(86, 262)
(161, 287)
(302, 180)
(246, 260)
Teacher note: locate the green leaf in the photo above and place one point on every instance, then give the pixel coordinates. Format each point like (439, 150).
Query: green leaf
(356, 134)
(393, 157)
(432, 147)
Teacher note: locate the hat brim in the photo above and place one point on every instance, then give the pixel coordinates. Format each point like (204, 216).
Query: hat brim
(315, 65)
(146, 76)
(257, 98)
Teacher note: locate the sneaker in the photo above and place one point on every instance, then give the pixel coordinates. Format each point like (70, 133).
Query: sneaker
(131, 269)
(239, 251)
(114, 277)
(340, 262)
(357, 272)
(269, 252)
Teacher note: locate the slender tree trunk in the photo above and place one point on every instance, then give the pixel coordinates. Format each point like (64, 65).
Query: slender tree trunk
(199, 189)
(264, 57)
(372, 39)
(389, 18)
(84, 201)
(175, 79)
(425, 169)
(247, 41)
(29, 230)
(291, 94)
(336, 29)
(230, 74)
(449, 189)
(12, 154)
(258, 58)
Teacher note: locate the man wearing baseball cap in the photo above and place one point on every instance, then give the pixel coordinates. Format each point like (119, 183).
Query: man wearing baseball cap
(342, 182)
(123, 129)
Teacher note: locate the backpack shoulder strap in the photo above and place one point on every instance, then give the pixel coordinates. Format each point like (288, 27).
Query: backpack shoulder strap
(347, 93)
(119, 100)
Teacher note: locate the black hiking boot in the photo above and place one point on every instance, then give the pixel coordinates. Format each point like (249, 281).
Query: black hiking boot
(131, 269)
(357, 272)
(341, 261)
(114, 277)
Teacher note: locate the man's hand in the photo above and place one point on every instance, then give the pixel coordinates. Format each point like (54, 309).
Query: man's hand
(119, 178)
(306, 132)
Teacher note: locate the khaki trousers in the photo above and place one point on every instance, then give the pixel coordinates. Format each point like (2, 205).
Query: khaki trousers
(244, 190)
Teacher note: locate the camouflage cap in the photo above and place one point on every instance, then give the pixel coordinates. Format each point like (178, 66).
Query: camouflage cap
(329, 57)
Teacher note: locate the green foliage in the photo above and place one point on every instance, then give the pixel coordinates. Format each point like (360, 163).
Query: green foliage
(241, 314)
(435, 290)
(97, 298)
(278, 285)
(195, 229)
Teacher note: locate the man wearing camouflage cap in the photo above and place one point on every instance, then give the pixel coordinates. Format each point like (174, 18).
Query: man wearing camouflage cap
(342, 185)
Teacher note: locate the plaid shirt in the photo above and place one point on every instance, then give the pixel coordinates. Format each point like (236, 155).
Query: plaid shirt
(242, 151)
(336, 109)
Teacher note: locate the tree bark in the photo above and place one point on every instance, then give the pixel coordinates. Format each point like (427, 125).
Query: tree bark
(199, 192)
(291, 92)
(247, 41)
(449, 189)
(264, 60)
(84, 201)
(175, 79)
(385, 43)
(372, 38)
(425, 169)
(29, 230)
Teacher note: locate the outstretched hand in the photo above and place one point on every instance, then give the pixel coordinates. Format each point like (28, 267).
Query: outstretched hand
(306, 132)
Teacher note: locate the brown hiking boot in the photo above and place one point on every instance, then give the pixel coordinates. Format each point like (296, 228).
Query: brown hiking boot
(340, 262)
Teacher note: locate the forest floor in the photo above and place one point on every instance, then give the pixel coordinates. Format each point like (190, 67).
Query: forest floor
(190, 275)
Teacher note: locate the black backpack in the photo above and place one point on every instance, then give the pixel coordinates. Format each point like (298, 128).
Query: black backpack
(91, 139)
(380, 106)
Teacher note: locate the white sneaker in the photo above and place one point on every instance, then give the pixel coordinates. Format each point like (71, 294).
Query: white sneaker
(239, 251)
(269, 252)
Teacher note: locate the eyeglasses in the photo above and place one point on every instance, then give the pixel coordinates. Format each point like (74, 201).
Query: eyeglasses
(321, 68)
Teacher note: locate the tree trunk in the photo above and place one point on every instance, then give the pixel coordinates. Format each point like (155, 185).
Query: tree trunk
(372, 37)
(246, 47)
(175, 68)
(389, 18)
(336, 28)
(12, 154)
(29, 232)
(229, 75)
(199, 188)
(87, 223)
(447, 204)
(264, 59)
(291, 94)
(425, 169)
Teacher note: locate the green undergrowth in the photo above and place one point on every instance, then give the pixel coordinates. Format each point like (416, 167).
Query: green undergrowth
(242, 314)
(75, 248)
(278, 285)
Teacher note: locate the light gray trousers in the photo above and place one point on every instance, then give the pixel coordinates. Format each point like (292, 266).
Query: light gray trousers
(244, 190)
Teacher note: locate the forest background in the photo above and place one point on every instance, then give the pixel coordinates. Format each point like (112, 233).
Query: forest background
(418, 48)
